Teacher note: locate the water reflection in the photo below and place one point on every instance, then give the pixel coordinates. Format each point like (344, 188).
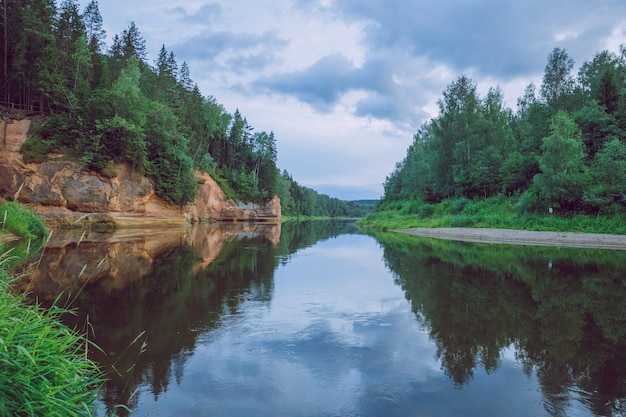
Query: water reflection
(564, 311)
(145, 297)
(313, 319)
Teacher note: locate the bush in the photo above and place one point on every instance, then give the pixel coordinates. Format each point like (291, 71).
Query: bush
(36, 150)
(426, 210)
(411, 207)
(458, 205)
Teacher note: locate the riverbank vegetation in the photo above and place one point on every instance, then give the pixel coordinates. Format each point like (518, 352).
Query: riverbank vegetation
(557, 162)
(499, 212)
(43, 367)
(102, 105)
(25, 228)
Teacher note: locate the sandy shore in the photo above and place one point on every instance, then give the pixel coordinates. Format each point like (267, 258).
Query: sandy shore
(523, 237)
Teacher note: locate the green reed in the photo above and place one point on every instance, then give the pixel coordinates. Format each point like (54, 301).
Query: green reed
(42, 363)
(44, 367)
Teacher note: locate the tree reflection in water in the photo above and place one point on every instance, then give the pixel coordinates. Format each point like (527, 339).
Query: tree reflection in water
(563, 310)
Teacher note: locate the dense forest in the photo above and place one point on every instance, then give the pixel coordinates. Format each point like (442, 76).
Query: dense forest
(104, 105)
(563, 148)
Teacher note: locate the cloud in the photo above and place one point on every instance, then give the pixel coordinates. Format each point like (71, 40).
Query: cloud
(505, 38)
(351, 77)
(250, 62)
(232, 52)
(385, 90)
(321, 85)
(205, 15)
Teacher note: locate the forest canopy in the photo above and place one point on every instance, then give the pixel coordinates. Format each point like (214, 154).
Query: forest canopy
(103, 105)
(563, 148)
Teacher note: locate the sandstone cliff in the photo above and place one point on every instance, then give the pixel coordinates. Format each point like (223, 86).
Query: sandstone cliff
(63, 194)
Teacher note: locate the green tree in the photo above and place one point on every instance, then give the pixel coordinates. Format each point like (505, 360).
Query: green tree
(558, 85)
(562, 179)
(597, 126)
(454, 138)
(82, 60)
(31, 76)
(133, 43)
(170, 166)
(600, 78)
(530, 125)
(92, 19)
(607, 189)
(265, 169)
(283, 190)
(70, 27)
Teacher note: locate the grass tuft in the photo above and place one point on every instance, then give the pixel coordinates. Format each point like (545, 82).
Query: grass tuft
(43, 368)
(21, 222)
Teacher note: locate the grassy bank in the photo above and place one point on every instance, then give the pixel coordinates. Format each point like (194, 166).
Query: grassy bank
(495, 213)
(284, 219)
(43, 366)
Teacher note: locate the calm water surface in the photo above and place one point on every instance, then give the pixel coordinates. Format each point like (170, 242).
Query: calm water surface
(319, 319)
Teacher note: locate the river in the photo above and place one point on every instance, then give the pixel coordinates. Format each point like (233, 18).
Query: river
(321, 319)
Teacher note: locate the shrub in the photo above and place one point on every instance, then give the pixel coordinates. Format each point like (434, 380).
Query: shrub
(426, 210)
(109, 170)
(411, 207)
(36, 150)
(458, 205)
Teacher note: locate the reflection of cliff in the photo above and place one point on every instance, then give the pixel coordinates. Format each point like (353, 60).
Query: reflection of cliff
(73, 259)
(563, 310)
(208, 240)
(164, 288)
(167, 289)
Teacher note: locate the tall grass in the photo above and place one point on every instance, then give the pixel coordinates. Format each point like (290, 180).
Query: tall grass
(497, 212)
(44, 369)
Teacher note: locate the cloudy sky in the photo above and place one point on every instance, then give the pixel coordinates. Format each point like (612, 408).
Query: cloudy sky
(344, 84)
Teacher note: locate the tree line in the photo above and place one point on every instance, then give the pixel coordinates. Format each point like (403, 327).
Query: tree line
(297, 200)
(108, 105)
(563, 148)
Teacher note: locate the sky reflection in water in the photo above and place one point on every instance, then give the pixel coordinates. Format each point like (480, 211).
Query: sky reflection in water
(337, 338)
(331, 322)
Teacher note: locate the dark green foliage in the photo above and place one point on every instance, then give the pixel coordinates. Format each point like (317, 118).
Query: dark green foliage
(114, 107)
(606, 192)
(562, 179)
(554, 152)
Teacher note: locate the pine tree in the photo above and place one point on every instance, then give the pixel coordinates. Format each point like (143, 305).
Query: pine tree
(92, 19)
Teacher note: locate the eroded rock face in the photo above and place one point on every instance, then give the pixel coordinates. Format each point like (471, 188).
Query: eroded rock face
(63, 194)
(16, 135)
